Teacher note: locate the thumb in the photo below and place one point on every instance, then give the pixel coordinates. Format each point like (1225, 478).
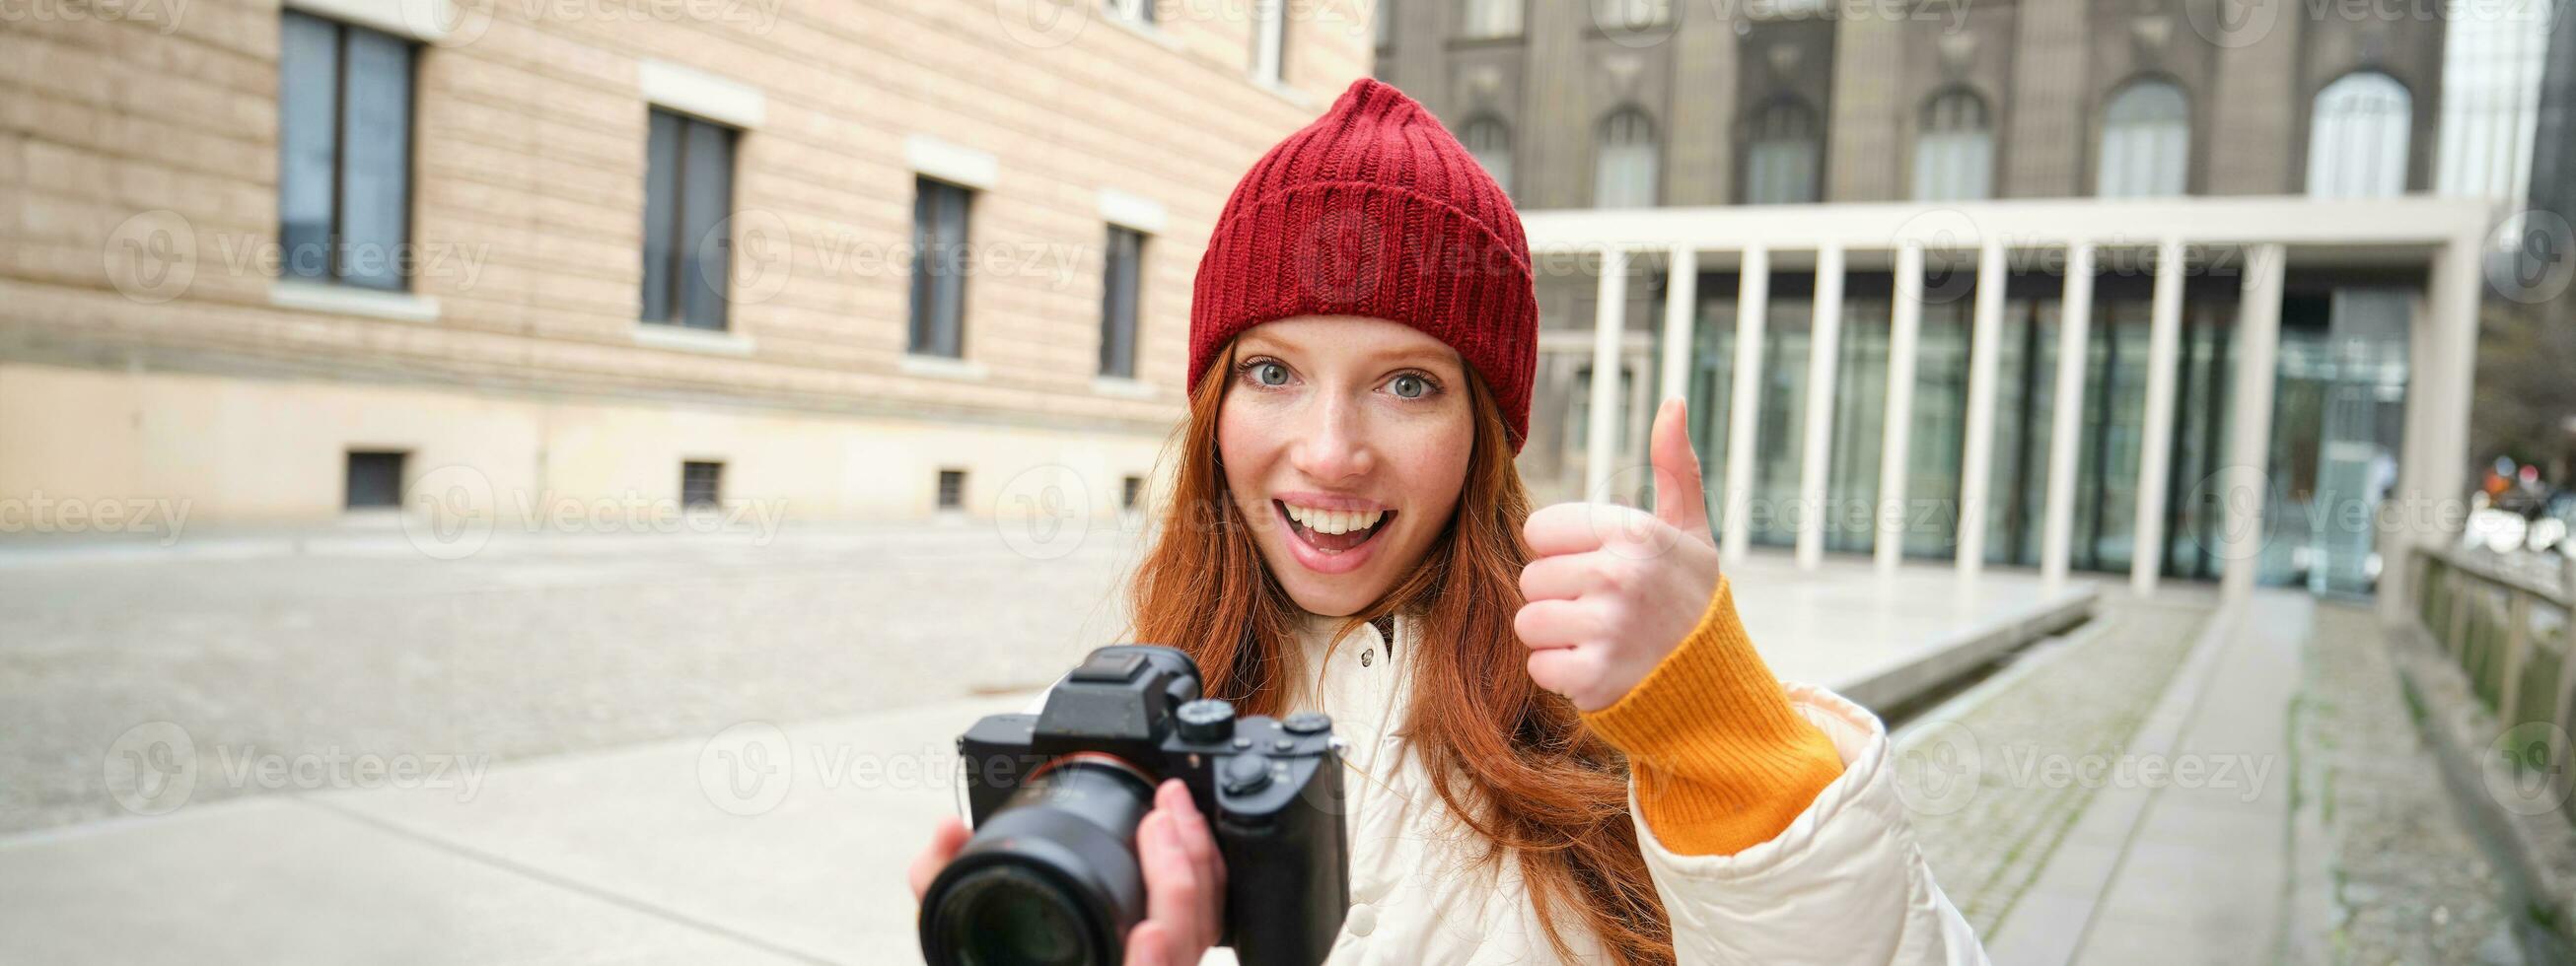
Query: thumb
(1681, 499)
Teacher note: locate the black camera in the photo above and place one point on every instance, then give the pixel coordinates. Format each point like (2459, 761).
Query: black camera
(1051, 875)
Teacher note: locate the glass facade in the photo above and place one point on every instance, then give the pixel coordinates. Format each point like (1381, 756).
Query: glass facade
(2338, 406)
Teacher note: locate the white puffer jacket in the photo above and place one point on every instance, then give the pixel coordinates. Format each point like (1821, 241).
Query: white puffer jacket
(1843, 884)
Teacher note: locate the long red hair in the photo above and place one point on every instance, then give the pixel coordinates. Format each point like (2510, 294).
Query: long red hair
(1512, 761)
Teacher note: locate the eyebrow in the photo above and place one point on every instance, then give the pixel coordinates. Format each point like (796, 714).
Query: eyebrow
(1418, 354)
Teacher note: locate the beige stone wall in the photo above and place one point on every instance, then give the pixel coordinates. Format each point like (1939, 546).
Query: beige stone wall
(262, 450)
(138, 174)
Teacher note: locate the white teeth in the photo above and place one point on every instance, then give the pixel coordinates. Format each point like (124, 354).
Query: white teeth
(1334, 521)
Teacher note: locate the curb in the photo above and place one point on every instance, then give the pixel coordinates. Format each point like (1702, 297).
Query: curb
(1899, 686)
(2537, 852)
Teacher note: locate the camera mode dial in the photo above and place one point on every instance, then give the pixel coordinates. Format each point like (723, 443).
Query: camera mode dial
(1206, 720)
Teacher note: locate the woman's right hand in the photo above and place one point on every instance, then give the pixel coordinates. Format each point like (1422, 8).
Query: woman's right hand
(1184, 879)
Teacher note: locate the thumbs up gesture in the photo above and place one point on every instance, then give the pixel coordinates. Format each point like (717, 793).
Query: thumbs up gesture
(1612, 589)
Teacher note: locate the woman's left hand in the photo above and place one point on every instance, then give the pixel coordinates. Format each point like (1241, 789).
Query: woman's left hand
(1612, 589)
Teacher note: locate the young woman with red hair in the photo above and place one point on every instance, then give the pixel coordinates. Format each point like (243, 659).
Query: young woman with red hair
(1561, 745)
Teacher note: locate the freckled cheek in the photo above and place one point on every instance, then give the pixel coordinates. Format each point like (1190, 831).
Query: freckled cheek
(1429, 460)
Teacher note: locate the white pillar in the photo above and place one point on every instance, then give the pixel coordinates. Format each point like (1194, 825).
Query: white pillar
(1977, 458)
(2066, 431)
(1681, 302)
(1823, 356)
(1899, 431)
(2249, 433)
(1602, 444)
(2433, 460)
(1752, 309)
(2155, 440)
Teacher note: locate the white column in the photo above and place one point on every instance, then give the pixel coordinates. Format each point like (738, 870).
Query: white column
(2066, 432)
(2249, 431)
(2155, 441)
(2433, 461)
(1752, 309)
(1899, 431)
(1681, 302)
(1977, 456)
(1824, 353)
(1608, 324)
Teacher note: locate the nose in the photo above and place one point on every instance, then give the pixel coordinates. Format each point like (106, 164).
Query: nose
(1333, 442)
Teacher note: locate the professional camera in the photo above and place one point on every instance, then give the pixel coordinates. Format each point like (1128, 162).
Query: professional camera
(1051, 875)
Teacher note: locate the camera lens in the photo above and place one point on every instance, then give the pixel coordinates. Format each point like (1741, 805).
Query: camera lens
(1051, 877)
(1005, 915)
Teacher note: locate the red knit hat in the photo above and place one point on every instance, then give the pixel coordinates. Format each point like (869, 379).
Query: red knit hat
(1375, 210)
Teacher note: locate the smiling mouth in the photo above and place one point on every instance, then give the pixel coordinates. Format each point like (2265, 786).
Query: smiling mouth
(1333, 532)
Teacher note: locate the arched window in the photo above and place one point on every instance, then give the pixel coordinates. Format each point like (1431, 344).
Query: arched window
(1954, 154)
(2358, 138)
(2146, 142)
(1781, 157)
(1490, 140)
(1624, 162)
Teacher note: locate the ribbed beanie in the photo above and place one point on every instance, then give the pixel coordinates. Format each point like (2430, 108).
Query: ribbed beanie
(1375, 210)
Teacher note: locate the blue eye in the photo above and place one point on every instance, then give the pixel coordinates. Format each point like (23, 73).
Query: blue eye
(1410, 386)
(1270, 373)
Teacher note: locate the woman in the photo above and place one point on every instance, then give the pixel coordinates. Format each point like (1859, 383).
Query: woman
(1562, 746)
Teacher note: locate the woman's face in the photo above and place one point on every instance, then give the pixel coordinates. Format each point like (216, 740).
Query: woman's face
(1345, 443)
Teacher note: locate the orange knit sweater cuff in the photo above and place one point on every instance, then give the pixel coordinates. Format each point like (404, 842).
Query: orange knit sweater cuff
(1721, 762)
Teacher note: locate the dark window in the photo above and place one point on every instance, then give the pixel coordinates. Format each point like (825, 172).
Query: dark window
(688, 245)
(939, 269)
(344, 152)
(1118, 302)
(701, 483)
(1130, 490)
(952, 489)
(375, 479)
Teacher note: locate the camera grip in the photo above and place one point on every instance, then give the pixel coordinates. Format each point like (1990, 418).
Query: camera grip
(1288, 873)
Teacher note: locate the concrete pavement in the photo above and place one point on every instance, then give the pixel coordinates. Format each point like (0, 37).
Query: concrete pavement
(600, 751)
